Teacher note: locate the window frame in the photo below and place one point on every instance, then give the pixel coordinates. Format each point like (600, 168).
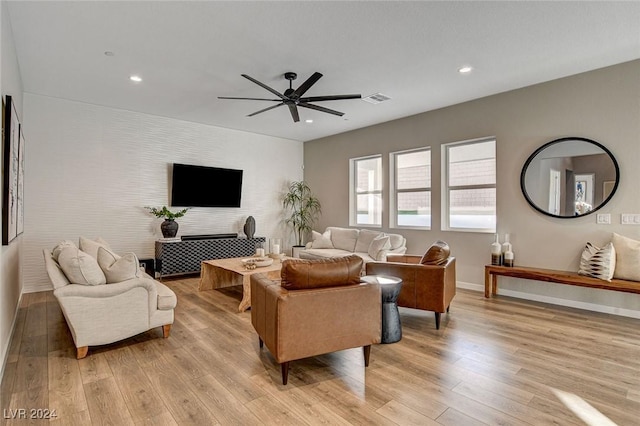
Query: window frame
(353, 192)
(394, 191)
(446, 189)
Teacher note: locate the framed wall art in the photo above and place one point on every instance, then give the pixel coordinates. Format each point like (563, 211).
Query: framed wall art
(10, 172)
(20, 194)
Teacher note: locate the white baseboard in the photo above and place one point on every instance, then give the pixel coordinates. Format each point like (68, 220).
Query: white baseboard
(556, 301)
(470, 286)
(11, 337)
(37, 288)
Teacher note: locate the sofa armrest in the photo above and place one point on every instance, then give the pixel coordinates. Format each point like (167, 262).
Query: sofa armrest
(403, 258)
(106, 291)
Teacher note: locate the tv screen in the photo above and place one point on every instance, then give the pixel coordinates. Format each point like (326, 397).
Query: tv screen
(200, 186)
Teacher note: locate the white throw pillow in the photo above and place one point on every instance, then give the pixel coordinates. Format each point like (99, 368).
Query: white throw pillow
(321, 241)
(55, 253)
(118, 268)
(396, 240)
(79, 267)
(378, 247)
(598, 262)
(365, 237)
(91, 246)
(627, 258)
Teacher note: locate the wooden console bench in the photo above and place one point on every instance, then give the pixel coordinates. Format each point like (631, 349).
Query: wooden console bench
(491, 273)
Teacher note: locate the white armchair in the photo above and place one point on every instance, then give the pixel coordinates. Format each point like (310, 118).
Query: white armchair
(102, 314)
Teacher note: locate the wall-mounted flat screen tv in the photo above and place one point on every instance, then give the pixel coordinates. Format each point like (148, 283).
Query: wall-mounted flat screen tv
(200, 186)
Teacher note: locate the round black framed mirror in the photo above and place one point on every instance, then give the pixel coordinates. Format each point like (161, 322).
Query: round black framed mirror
(569, 177)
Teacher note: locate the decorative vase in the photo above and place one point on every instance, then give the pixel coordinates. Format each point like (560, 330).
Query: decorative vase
(250, 227)
(496, 252)
(169, 228)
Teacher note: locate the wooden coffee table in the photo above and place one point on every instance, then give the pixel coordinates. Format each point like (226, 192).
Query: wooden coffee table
(221, 273)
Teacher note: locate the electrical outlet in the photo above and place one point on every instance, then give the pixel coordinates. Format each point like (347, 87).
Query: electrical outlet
(603, 219)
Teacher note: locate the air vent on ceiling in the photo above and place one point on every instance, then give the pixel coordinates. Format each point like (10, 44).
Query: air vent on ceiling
(376, 98)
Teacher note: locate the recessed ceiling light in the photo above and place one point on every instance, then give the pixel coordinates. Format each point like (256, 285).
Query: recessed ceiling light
(465, 70)
(135, 78)
(308, 121)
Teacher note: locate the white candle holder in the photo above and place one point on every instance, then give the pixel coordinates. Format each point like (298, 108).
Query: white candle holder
(276, 248)
(259, 249)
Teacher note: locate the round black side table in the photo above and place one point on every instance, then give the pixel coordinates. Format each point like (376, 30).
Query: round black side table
(390, 288)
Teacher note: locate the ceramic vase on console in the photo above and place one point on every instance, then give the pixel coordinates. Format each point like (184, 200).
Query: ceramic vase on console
(250, 227)
(496, 252)
(169, 228)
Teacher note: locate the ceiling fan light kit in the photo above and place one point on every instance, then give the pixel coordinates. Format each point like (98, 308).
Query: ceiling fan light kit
(293, 98)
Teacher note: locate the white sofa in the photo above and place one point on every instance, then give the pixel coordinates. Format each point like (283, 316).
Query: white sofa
(99, 310)
(368, 244)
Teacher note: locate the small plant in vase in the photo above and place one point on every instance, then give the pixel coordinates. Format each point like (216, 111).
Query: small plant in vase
(169, 227)
(304, 209)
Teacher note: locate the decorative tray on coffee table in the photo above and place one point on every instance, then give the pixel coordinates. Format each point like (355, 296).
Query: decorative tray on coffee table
(257, 262)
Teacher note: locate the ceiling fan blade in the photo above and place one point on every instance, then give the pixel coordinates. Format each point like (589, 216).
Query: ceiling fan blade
(330, 98)
(306, 85)
(264, 86)
(319, 108)
(294, 112)
(250, 99)
(266, 109)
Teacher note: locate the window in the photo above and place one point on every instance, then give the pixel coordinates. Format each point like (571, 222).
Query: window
(365, 198)
(469, 193)
(411, 186)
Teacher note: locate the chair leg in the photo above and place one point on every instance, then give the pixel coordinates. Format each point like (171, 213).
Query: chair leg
(285, 372)
(448, 307)
(437, 320)
(260, 342)
(367, 352)
(82, 352)
(166, 330)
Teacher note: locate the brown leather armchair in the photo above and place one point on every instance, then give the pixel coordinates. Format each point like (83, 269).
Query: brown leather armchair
(426, 287)
(318, 307)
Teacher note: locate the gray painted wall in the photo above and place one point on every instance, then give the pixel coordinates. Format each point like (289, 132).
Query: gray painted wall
(603, 105)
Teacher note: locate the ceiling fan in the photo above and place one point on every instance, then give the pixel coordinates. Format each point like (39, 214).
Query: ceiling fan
(293, 98)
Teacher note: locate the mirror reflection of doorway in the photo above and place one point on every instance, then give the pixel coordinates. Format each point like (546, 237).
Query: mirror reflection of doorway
(584, 190)
(554, 192)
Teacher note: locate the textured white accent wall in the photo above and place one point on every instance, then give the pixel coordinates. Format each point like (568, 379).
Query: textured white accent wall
(90, 170)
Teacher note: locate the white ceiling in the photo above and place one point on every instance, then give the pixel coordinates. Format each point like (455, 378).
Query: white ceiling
(189, 53)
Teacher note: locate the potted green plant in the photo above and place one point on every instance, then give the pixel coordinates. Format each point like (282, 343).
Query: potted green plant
(169, 227)
(304, 210)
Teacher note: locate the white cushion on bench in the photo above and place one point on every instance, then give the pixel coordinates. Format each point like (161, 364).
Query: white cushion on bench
(627, 258)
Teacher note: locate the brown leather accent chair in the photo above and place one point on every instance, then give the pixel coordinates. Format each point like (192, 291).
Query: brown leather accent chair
(318, 306)
(424, 286)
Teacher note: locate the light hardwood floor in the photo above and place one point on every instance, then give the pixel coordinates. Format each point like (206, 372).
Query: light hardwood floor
(494, 361)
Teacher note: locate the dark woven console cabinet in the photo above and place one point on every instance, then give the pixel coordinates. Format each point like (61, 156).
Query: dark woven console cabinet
(184, 257)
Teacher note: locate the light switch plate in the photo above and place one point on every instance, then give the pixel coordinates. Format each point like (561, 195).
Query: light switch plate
(630, 219)
(603, 218)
